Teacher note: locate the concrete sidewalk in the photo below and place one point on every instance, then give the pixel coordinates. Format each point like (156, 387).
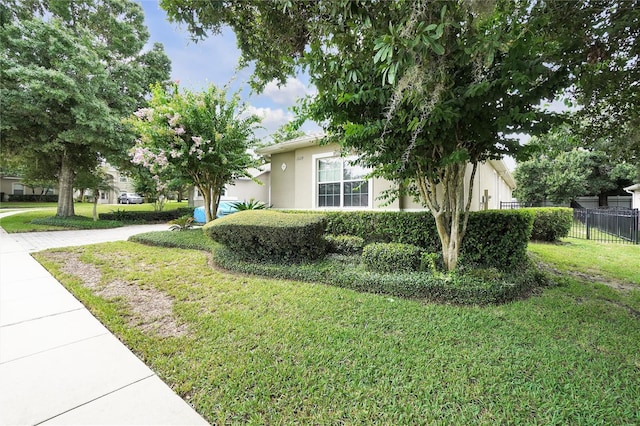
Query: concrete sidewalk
(58, 364)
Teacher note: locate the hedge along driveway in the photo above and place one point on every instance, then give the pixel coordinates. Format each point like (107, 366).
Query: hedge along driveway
(268, 351)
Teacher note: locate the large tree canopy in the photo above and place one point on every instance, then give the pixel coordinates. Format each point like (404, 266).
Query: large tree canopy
(419, 88)
(70, 71)
(563, 170)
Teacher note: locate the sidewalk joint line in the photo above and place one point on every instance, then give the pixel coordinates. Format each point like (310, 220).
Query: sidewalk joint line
(56, 347)
(95, 399)
(43, 317)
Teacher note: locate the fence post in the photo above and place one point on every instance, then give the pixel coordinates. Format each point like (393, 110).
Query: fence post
(586, 221)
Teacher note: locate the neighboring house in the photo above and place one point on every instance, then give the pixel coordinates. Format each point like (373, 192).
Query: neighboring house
(119, 183)
(242, 189)
(634, 190)
(306, 175)
(13, 185)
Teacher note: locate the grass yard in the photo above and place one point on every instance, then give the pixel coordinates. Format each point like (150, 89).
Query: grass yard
(243, 349)
(595, 261)
(21, 222)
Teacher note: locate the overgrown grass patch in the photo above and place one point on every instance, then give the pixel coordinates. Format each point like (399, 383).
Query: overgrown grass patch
(272, 351)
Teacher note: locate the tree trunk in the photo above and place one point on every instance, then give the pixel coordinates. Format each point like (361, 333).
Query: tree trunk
(95, 205)
(205, 190)
(603, 200)
(65, 189)
(445, 198)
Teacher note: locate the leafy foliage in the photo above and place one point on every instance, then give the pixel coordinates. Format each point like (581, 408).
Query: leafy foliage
(551, 224)
(70, 72)
(347, 245)
(419, 89)
(270, 235)
(495, 238)
(348, 272)
(392, 257)
(132, 216)
(202, 137)
(249, 205)
(563, 170)
(183, 223)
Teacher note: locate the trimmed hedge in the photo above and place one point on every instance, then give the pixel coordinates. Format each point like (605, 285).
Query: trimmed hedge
(417, 228)
(344, 244)
(494, 238)
(348, 272)
(550, 223)
(131, 216)
(33, 198)
(497, 239)
(270, 235)
(392, 257)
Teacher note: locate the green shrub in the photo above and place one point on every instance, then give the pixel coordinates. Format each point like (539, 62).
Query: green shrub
(550, 223)
(417, 228)
(270, 235)
(344, 244)
(497, 238)
(183, 223)
(392, 257)
(33, 198)
(77, 222)
(193, 239)
(348, 272)
(252, 204)
(130, 216)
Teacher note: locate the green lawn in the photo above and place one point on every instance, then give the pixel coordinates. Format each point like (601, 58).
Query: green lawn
(21, 222)
(600, 261)
(243, 349)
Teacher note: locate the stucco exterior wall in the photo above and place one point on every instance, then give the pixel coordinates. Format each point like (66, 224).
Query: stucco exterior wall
(246, 189)
(283, 180)
(293, 186)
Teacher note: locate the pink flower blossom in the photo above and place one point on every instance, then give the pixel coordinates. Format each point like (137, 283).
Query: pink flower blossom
(144, 113)
(179, 131)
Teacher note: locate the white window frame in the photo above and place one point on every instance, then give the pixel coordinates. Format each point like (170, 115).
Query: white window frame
(315, 183)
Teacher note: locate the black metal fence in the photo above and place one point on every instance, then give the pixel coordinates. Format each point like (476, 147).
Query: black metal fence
(614, 224)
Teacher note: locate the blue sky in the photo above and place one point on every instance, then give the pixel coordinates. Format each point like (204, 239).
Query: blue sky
(215, 60)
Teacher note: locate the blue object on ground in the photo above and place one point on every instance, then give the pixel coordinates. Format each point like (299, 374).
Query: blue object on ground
(224, 208)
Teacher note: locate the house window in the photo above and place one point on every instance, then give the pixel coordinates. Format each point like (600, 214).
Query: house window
(123, 179)
(341, 184)
(18, 189)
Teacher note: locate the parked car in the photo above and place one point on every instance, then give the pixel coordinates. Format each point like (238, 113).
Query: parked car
(130, 198)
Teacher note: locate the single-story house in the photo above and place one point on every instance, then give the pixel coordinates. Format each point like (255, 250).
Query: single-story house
(306, 175)
(634, 190)
(13, 185)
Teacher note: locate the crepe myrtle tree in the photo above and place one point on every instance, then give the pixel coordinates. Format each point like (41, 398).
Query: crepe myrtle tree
(203, 137)
(420, 89)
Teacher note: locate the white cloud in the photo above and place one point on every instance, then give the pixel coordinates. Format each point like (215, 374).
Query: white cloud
(272, 119)
(287, 94)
